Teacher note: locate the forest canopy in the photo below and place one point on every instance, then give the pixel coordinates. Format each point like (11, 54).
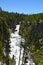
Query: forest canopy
(31, 28)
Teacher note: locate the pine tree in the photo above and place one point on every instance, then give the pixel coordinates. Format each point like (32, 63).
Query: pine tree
(6, 41)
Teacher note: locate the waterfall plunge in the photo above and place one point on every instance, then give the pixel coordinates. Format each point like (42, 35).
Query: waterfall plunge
(15, 46)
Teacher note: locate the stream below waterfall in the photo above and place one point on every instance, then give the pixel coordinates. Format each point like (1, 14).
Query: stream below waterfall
(15, 47)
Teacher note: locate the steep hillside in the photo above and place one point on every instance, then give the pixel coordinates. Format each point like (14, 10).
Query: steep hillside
(31, 29)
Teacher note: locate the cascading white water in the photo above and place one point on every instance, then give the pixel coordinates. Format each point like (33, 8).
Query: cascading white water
(15, 46)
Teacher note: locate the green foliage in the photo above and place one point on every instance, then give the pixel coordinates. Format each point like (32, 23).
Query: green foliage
(31, 29)
(33, 35)
(1, 50)
(4, 39)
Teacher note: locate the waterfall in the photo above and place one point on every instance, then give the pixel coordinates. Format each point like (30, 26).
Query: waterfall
(15, 47)
(15, 44)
